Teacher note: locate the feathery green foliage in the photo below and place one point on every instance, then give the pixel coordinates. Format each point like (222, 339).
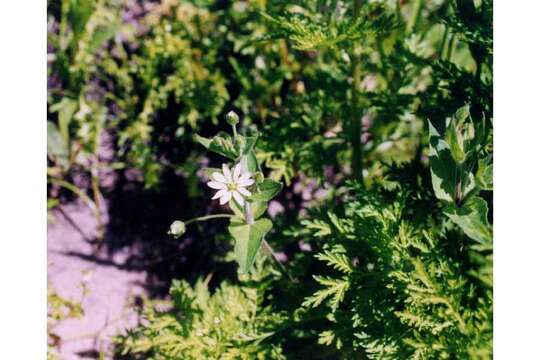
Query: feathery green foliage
(230, 323)
(377, 118)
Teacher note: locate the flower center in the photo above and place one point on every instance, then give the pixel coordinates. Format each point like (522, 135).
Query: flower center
(232, 187)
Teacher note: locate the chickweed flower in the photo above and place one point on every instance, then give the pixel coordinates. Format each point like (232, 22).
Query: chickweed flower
(178, 228)
(232, 118)
(231, 184)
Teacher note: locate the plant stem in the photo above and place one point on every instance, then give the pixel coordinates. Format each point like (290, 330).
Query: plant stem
(413, 23)
(270, 251)
(451, 46)
(443, 43)
(80, 193)
(355, 127)
(207, 217)
(97, 196)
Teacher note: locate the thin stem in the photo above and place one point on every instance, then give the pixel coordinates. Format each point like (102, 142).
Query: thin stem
(247, 206)
(355, 127)
(80, 193)
(207, 217)
(451, 46)
(443, 43)
(249, 213)
(413, 23)
(270, 251)
(97, 196)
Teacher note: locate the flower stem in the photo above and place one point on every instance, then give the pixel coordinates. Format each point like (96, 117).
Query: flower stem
(208, 217)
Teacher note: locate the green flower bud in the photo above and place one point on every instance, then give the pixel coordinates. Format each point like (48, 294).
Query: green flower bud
(177, 229)
(232, 118)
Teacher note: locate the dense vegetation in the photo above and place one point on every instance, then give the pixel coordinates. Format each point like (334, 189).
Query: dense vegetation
(367, 128)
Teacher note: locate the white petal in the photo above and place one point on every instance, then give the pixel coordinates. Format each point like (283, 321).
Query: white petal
(243, 191)
(217, 185)
(219, 194)
(227, 172)
(246, 182)
(239, 199)
(244, 176)
(225, 198)
(236, 172)
(219, 177)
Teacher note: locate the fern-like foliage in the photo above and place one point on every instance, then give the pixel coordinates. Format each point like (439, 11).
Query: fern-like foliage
(307, 31)
(227, 324)
(413, 296)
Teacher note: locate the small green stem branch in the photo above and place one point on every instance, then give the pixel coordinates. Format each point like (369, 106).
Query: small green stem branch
(80, 193)
(97, 196)
(270, 252)
(413, 23)
(207, 217)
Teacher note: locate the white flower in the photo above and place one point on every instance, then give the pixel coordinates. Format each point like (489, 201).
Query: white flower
(231, 185)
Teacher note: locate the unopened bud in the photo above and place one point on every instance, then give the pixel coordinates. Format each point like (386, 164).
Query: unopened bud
(177, 229)
(232, 118)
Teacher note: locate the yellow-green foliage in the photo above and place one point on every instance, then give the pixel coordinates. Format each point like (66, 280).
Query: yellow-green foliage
(229, 323)
(58, 310)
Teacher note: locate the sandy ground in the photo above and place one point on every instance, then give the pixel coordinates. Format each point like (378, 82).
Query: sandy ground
(110, 286)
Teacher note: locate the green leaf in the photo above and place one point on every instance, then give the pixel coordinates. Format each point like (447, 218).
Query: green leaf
(484, 175)
(462, 114)
(248, 241)
(251, 161)
(101, 35)
(244, 144)
(258, 208)
(203, 140)
(267, 189)
(471, 217)
(221, 144)
(249, 143)
(56, 146)
(451, 182)
(79, 13)
(452, 138)
(443, 166)
(66, 108)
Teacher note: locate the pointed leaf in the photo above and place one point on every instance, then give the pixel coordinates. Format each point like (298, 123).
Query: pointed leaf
(451, 182)
(267, 189)
(248, 241)
(443, 167)
(66, 108)
(251, 161)
(56, 146)
(221, 144)
(472, 219)
(452, 138)
(258, 208)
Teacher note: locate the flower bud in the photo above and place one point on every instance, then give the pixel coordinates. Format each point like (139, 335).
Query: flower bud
(177, 229)
(232, 118)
